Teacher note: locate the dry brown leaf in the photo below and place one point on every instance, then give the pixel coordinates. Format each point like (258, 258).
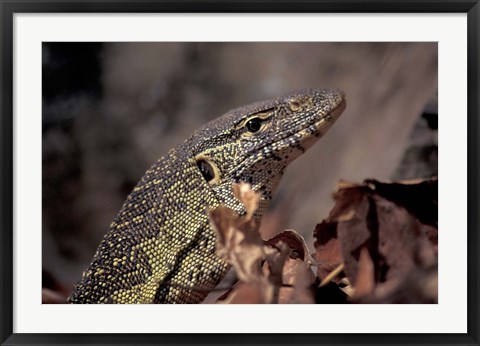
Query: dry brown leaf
(273, 266)
(420, 286)
(248, 197)
(327, 246)
(236, 244)
(347, 288)
(365, 283)
(295, 241)
(222, 219)
(243, 293)
(296, 270)
(393, 223)
(344, 184)
(418, 196)
(239, 243)
(283, 257)
(298, 274)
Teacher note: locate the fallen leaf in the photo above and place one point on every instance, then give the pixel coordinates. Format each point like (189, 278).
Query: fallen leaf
(327, 254)
(296, 243)
(248, 197)
(381, 233)
(298, 274)
(239, 244)
(243, 293)
(295, 270)
(365, 283)
(263, 268)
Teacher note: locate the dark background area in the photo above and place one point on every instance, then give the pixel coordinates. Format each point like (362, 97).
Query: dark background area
(111, 109)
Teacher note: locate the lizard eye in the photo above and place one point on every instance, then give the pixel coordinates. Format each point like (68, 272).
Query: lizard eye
(254, 125)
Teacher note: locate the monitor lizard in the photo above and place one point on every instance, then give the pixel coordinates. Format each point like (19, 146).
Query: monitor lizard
(161, 247)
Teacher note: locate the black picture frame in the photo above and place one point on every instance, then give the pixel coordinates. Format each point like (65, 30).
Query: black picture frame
(9, 8)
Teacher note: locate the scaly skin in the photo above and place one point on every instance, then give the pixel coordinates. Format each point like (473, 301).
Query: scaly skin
(161, 247)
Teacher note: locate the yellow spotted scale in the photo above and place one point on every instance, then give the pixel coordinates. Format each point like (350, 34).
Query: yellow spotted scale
(160, 247)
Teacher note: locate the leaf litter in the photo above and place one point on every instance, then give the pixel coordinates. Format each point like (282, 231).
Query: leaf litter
(378, 245)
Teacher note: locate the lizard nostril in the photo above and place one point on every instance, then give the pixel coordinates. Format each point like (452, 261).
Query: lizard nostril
(300, 103)
(294, 105)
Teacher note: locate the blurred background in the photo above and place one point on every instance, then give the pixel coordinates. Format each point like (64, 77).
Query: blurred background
(110, 110)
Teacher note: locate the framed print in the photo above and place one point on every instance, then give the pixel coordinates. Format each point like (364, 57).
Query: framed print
(270, 168)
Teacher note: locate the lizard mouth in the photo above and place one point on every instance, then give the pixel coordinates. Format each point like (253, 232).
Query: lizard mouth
(337, 111)
(328, 120)
(314, 129)
(310, 133)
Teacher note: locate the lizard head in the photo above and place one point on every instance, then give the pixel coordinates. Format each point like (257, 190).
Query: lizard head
(255, 143)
